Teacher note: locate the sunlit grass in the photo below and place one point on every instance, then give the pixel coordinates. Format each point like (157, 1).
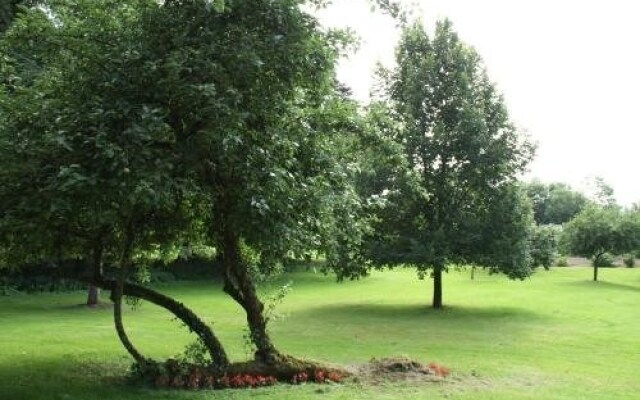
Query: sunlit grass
(555, 336)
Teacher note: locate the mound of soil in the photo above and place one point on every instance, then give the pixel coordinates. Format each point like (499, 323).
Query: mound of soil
(398, 369)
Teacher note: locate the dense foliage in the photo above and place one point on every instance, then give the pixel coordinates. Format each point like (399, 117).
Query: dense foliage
(545, 241)
(554, 203)
(455, 201)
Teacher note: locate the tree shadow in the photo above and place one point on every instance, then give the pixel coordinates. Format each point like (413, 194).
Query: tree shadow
(46, 378)
(391, 313)
(605, 284)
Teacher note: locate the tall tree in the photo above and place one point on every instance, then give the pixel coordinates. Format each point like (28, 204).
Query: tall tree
(248, 89)
(464, 153)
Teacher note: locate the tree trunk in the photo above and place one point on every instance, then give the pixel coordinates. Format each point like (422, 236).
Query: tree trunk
(437, 287)
(473, 273)
(93, 296)
(218, 355)
(116, 296)
(596, 262)
(117, 319)
(219, 359)
(93, 292)
(239, 285)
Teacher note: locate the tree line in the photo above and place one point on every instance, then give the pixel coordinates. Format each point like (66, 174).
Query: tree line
(570, 223)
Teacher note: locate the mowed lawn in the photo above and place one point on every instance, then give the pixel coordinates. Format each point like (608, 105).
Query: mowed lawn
(557, 335)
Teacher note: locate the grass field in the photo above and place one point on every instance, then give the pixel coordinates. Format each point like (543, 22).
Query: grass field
(555, 336)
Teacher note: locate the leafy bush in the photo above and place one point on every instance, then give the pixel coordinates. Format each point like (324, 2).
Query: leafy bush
(42, 277)
(192, 268)
(604, 260)
(630, 260)
(562, 262)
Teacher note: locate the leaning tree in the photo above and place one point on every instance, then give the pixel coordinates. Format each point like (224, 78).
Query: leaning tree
(139, 120)
(456, 202)
(248, 89)
(89, 167)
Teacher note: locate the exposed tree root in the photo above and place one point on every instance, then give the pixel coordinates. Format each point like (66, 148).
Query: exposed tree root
(178, 375)
(175, 374)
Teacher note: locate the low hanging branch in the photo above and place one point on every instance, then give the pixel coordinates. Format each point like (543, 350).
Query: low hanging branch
(220, 360)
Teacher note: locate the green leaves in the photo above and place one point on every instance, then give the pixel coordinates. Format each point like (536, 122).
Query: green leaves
(456, 201)
(596, 230)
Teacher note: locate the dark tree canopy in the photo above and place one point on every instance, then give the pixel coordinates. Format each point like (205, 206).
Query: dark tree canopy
(8, 12)
(554, 203)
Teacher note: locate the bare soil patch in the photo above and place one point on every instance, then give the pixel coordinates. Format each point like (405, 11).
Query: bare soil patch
(395, 369)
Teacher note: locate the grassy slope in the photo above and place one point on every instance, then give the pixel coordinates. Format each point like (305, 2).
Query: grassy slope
(556, 336)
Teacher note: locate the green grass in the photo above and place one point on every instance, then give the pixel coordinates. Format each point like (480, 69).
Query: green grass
(555, 336)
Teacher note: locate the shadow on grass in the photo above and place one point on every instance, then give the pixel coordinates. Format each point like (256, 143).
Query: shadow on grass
(602, 284)
(417, 312)
(42, 378)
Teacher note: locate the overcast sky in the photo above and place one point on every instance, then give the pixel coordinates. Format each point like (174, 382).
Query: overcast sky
(569, 71)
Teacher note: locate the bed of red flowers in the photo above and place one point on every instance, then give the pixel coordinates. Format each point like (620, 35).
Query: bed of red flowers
(175, 375)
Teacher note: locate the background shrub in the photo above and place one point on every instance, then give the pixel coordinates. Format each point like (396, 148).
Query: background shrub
(630, 260)
(604, 260)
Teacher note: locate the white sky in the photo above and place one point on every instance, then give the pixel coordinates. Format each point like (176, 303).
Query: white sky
(569, 71)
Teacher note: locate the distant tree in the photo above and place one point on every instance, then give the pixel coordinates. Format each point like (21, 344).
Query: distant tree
(597, 231)
(544, 245)
(457, 202)
(554, 203)
(538, 193)
(603, 193)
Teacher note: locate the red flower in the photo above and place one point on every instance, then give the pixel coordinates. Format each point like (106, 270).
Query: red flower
(439, 370)
(300, 377)
(334, 376)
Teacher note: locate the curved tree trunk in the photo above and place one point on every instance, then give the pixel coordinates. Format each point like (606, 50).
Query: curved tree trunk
(116, 296)
(183, 313)
(239, 285)
(117, 319)
(219, 358)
